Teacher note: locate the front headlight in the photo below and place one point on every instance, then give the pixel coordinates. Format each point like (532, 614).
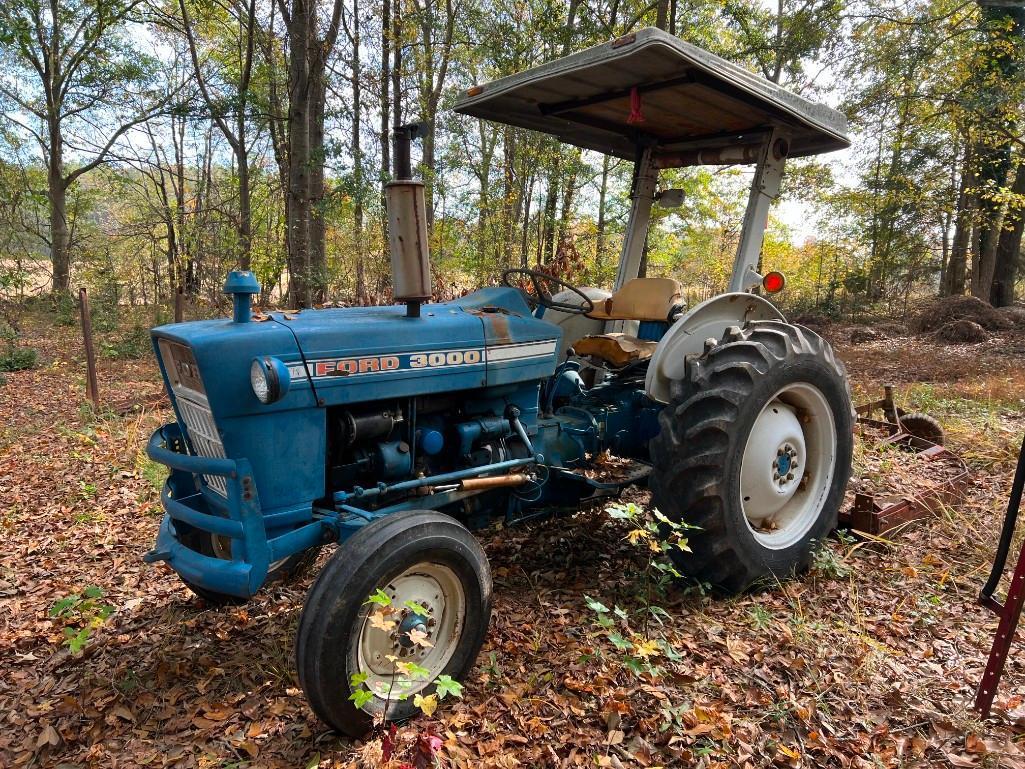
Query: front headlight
(269, 378)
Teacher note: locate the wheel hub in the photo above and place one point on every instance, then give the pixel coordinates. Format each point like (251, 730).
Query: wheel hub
(788, 465)
(411, 621)
(775, 452)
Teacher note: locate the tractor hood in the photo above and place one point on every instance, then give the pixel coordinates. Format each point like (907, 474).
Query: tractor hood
(358, 354)
(351, 355)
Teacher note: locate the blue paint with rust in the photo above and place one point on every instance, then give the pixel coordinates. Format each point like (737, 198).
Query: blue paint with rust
(270, 493)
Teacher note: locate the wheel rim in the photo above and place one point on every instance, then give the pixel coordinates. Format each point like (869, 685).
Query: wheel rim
(437, 589)
(788, 465)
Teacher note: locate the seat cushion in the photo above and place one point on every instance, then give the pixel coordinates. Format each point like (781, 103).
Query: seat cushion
(641, 299)
(615, 349)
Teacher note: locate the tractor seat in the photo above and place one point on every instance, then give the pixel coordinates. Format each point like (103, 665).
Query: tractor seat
(644, 299)
(652, 301)
(617, 350)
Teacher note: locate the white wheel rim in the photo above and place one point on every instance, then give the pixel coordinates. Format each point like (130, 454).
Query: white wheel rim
(434, 587)
(788, 466)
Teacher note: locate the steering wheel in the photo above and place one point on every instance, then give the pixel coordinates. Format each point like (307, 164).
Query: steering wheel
(542, 296)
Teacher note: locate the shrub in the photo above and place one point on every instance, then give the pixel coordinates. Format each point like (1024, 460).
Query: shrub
(13, 357)
(65, 309)
(129, 345)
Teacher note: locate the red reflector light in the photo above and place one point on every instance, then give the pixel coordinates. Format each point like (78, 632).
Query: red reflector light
(774, 282)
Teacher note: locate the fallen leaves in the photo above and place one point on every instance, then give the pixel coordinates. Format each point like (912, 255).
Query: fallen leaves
(872, 669)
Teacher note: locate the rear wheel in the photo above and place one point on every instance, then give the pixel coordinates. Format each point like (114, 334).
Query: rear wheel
(755, 450)
(432, 603)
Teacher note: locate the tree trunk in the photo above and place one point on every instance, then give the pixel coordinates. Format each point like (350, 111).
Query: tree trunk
(957, 266)
(1002, 25)
(385, 110)
(318, 253)
(511, 201)
(245, 216)
(567, 205)
(299, 267)
(357, 159)
(599, 235)
(528, 198)
(551, 201)
(1008, 247)
(60, 254)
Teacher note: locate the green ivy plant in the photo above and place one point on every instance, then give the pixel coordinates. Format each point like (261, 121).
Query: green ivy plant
(407, 674)
(628, 633)
(82, 614)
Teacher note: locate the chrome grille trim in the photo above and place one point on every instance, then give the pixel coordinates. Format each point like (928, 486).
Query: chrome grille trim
(194, 410)
(199, 421)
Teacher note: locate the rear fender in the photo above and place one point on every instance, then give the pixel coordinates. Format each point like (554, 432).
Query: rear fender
(687, 336)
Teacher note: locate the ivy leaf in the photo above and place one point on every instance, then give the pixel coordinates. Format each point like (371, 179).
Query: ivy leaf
(446, 685)
(380, 597)
(619, 512)
(361, 697)
(356, 680)
(427, 704)
(594, 605)
(619, 642)
(379, 621)
(648, 648)
(413, 670)
(416, 608)
(419, 637)
(637, 535)
(64, 606)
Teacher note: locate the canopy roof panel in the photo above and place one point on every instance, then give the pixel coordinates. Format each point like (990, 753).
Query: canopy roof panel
(689, 99)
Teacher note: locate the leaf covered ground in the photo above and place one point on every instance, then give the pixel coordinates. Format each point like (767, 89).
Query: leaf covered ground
(870, 660)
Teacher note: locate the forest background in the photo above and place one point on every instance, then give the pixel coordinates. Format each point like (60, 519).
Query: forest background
(152, 145)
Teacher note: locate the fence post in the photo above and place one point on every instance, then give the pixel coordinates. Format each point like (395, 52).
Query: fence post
(92, 390)
(179, 305)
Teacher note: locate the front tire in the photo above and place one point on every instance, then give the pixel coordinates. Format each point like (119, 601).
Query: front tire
(419, 557)
(755, 451)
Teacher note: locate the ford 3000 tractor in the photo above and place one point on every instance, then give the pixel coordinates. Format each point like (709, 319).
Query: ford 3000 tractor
(393, 431)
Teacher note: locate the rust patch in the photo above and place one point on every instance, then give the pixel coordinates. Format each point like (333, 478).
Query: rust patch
(499, 326)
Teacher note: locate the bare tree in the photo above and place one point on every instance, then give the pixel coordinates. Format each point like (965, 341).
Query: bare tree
(244, 14)
(77, 86)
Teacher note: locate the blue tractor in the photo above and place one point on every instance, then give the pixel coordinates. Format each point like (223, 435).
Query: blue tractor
(393, 431)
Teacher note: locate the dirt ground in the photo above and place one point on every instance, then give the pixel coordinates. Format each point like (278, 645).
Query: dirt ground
(870, 660)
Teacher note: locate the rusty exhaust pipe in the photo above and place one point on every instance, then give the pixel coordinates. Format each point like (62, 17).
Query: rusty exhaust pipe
(407, 225)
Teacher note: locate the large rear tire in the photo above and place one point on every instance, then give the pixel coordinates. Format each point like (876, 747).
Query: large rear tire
(755, 451)
(416, 559)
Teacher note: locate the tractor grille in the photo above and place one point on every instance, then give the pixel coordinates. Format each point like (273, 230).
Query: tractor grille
(199, 421)
(190, 396)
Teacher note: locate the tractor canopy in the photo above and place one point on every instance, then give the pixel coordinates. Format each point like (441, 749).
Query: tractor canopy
(651, 89)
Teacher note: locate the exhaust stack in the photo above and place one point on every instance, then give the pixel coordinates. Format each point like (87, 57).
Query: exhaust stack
(407, 225)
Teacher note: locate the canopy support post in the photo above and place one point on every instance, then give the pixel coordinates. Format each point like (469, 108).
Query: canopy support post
(642, 194)
(764, 190)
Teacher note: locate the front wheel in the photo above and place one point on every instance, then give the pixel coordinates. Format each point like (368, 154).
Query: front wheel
(755, 451)
(405, 600)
